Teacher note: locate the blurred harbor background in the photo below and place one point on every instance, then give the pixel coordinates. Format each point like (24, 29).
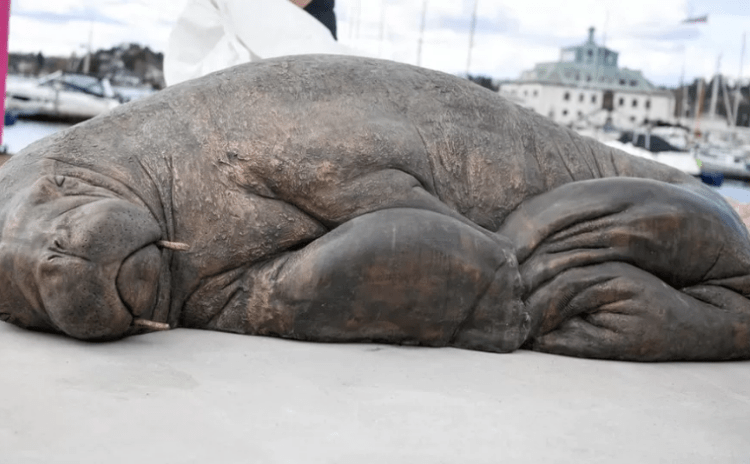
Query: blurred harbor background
(668, 81)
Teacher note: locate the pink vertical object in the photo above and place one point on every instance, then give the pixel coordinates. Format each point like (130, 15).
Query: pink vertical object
(4, 20)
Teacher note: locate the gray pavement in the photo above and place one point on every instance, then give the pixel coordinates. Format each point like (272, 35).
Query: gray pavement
(204, 397)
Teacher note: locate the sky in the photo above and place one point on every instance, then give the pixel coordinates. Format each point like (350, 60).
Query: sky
(510, 36)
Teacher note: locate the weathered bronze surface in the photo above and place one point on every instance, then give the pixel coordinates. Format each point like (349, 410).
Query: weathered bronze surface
(347, 199)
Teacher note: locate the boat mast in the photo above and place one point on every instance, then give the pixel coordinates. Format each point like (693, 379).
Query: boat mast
(4, 22)
(738, 93)
(715, 90)
(421, 34)
(727, 106)
(699, 107)
(382, 28)
(471, 36)
(683, 93)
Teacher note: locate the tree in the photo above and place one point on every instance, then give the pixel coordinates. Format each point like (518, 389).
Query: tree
(484, 81)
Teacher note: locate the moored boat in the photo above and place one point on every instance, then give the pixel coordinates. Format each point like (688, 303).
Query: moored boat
(60, 96)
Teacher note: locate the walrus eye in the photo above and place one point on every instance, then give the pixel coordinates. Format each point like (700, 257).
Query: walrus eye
(5, 317)
(55, 249)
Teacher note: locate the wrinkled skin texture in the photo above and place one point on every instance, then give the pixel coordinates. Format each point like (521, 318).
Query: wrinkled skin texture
(345, 199)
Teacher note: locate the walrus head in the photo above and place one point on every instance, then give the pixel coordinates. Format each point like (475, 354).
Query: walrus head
(78, 259)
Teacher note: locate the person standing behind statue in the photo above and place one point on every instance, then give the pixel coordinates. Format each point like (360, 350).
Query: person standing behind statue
(211, 35)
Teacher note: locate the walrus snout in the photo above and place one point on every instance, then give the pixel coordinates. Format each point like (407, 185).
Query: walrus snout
(81, 299)
(84, 265)
(106, 273)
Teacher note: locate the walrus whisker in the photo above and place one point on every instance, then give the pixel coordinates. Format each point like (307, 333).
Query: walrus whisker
(177, 246)
(152, 325)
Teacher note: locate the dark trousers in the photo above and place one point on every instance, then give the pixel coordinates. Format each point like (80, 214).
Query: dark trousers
(322, 10)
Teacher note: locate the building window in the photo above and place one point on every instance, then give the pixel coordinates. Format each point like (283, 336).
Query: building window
(648, 104)
(588, 77)
(635, 103)
(580, 113)
(566, 97)
(622, 101)
(633, 83)
(622, 81)
(536, 92)
(525, 93)
(593, 98)
(580, 97)
(565, 112)
(632, 119)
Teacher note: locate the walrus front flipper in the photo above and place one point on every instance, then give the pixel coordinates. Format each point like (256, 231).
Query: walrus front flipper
(395, 276)
(634, 269)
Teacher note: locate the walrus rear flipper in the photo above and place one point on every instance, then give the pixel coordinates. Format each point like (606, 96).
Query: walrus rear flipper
(617, 311)
(634, 269)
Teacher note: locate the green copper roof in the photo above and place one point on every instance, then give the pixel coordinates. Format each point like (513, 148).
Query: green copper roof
(588, 65)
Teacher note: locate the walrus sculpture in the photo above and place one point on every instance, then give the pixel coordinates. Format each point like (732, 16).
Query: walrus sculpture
(343, 199)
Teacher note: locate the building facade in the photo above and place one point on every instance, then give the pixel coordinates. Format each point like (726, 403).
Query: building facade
(586, 86)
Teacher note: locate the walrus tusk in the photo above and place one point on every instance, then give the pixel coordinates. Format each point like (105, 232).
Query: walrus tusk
(178, 246)
(151, 325)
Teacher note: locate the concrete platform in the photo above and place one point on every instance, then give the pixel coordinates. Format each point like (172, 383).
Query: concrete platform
(201, 397)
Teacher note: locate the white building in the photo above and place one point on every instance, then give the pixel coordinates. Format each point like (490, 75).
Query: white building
(586, 86)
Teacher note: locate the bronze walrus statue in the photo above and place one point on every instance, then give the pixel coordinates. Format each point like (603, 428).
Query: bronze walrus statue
(346, 199)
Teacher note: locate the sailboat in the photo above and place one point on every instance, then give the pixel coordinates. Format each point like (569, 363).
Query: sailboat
(725, 150)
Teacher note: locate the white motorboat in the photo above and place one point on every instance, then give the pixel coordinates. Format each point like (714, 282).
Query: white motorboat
(648, 145)
(725, 151)
(683, 161)
(733, 162)
(60, 96)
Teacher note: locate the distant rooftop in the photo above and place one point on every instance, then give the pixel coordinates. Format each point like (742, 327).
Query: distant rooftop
(588, 65)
